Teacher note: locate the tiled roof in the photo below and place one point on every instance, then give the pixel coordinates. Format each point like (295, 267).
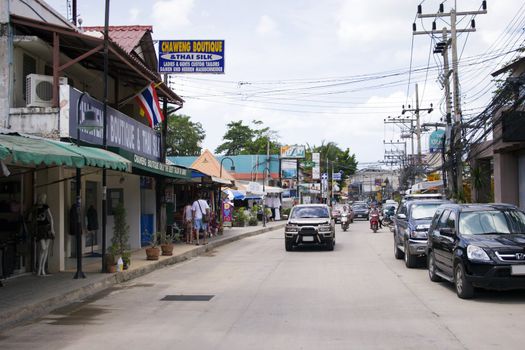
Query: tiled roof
(208, 164)
(127, 37)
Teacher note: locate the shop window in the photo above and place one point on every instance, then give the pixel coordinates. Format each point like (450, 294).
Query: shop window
(115, 197)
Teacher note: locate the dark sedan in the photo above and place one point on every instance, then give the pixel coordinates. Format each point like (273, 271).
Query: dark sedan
(361, 211)
(477, 245)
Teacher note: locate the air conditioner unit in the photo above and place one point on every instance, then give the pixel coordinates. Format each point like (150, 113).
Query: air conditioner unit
(39, 90)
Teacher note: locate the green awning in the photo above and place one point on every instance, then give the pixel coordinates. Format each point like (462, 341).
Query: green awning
(97, 157)
(35, 151)
(153, 168)
(4, 152)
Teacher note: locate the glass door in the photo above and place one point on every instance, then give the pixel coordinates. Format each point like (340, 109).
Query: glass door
(91, 217)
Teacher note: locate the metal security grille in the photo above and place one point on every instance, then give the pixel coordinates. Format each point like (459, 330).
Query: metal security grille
(187, 297)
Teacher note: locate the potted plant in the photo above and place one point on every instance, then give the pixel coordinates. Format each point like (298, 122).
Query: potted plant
(153, 251)
(126, 258)
(166, 243)
(239, 217)
(120, 238)
(112, 256)
(253, 220)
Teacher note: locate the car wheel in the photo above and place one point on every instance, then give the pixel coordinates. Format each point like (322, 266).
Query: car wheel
(330, 244)
(398, 254)
(410, 260)
(288, 245)
(432, 268)
(464, 289)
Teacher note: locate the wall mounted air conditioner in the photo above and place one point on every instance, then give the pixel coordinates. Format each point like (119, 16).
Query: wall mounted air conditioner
(39, 90)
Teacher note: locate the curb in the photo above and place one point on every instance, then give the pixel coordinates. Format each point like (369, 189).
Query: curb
(30, 312)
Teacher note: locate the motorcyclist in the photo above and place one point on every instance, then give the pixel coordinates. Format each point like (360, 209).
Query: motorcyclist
(375, 211)
(345, 211)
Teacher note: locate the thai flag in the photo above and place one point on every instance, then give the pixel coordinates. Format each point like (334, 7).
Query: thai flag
(149, 102)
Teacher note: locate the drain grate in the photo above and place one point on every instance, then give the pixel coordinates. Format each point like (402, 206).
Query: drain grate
(188, 297)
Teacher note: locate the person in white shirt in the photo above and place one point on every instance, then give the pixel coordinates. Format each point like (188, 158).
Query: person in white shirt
(201, 213)
(187, 219)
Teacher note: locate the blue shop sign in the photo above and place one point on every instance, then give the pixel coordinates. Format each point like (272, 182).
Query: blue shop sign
(191, 56)
(122, 131)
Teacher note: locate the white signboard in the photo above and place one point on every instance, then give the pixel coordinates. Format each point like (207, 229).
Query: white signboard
(316, 170)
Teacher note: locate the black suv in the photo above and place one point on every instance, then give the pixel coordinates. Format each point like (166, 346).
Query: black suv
(309, 224)
(477, 245)
(411, 225)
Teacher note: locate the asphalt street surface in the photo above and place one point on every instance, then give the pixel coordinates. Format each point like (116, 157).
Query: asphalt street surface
(252, 294)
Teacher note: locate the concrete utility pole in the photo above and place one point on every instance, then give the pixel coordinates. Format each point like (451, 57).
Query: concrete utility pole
(403, 121)
(418, 124)
(6, 61)
(456, 127)
(395, 157)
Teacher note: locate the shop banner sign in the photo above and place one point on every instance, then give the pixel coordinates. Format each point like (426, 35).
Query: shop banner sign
(293, 151)
(122, 131)
(336, 176)
(191, 56)
(316, 170)
(436, 141)
(289, 168)
(227, 214)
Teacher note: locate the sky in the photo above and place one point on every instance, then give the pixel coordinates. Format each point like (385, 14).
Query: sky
(324, 71)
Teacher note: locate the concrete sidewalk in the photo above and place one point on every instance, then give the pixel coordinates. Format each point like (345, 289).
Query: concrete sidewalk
(27, 297)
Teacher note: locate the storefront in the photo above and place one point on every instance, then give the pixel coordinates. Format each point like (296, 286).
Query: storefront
(35, 171)
(160, 189)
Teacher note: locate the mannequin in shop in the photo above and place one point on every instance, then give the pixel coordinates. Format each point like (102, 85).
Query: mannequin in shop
(92, 225)
(43, 230)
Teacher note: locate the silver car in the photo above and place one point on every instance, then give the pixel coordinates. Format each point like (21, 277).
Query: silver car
(310, 224)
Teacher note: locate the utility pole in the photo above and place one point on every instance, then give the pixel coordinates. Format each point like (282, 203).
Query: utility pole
(456, 127)
(418, 124)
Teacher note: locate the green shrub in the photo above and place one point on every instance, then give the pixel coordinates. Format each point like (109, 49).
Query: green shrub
(253, 221)
(239, 217)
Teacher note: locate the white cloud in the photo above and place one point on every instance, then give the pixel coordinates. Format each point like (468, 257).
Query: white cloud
(172, 13)
(266, 26)
(134, 13)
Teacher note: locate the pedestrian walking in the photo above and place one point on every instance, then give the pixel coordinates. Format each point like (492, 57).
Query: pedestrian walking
(201, 214)
(187, 221)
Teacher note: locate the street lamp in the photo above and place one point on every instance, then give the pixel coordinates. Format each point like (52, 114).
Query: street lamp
(266, 171)
(232, 168)
(90, 122)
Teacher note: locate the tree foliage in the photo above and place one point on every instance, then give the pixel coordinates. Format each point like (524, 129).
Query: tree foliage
(248, 139)
(184, 136)
(341, 160)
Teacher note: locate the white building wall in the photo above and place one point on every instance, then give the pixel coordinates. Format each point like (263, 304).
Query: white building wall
(131, 187)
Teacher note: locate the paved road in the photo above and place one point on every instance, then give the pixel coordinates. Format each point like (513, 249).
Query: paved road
(356, 297)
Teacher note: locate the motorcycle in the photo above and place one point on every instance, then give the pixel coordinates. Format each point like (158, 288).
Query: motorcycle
(344, 222)
(374, 222)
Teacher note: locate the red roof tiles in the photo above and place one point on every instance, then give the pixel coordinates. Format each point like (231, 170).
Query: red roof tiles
(127, 37)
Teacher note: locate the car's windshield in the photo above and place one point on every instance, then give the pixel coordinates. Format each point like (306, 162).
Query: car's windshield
(424, 211)
(491, 222)
(310, 212)
(360, 207)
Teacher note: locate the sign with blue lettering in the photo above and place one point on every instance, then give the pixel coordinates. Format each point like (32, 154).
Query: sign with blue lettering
(191, 56)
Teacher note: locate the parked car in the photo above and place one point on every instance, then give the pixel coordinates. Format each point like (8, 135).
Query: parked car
(361, 211)
(310, 224)
(477, 245)
(418, 196)
(411, 224)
